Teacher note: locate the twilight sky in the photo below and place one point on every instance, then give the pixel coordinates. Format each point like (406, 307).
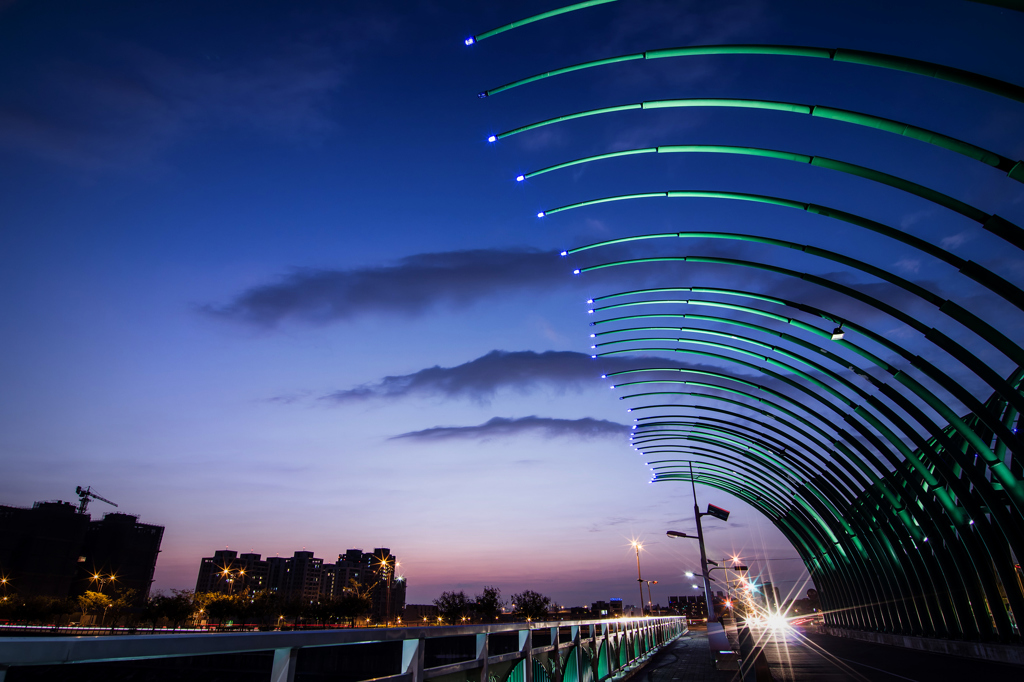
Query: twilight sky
(264, 282)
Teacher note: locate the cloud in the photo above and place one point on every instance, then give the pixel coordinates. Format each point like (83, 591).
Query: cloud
(412, 286)
(955, 240)
(909, 265)
(481, 378)
(503, 427)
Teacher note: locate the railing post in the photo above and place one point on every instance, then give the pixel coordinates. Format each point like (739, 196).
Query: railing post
(526, 649)
(574, 632)
(482, 645)
(412, 658)
(557, 669)
(284, 665)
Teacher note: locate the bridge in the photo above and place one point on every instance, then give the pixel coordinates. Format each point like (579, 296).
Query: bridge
(887, 458)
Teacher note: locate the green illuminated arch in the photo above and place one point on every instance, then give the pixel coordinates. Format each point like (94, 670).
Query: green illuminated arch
(1013, 169)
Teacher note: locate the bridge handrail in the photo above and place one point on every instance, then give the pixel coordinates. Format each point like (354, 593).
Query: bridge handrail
(30, 651)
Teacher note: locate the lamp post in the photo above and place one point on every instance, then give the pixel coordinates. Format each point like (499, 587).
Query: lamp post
(230, 575)
(704, 573)
(103, 579)
(650, 602)
(640, 581)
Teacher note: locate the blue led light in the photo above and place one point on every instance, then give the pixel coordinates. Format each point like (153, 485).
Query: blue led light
(593, 357)
(541, 214)
(593, 335)
(481, 95)
(576, 272)
(520, 178)
(470, 40)
(563, 253)
(604, 376)
(492, 138)
(590, 312)
(590, 300)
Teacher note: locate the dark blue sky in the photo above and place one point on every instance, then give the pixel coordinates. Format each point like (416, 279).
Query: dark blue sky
(245, 247)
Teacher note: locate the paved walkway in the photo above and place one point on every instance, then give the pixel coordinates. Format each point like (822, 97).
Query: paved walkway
(688, 659)
(803, 655)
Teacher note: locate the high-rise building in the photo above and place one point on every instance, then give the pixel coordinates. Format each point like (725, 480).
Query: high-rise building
(120, 546)
(40, 548)
(53, 550)
(306, 577)
(228, 572)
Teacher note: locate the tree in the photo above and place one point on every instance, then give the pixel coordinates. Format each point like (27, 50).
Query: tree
(355, 601)
(179, 607)
(92, 602)
(264, 608)
(121, 604)
(452, 606)
(489, 604)
(221, 606)
(531, 605)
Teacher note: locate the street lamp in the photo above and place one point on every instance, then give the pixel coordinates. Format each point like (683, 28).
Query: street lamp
(230, 575)
(718, 513)
(103, 579)
(640, 581)
(650, 602)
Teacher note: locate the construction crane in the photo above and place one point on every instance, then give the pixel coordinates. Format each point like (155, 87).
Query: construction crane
(83, 498)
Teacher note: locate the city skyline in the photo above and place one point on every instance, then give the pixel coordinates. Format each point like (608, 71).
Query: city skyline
(267, 285)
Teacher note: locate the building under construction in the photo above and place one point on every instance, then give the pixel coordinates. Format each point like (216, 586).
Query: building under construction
(55, 549)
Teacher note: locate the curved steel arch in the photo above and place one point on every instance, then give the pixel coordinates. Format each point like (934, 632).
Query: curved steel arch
(536, 17)
(888, 505)
(859, 265)
(1000, 227)
(984, 276)
(838, 54)
(950, 573)
(991, 420)
(1013, 169)
(1009, 4)
(986, 373)
(1012, 533)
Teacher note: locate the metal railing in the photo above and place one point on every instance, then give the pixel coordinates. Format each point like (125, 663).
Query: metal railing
(572, 651)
